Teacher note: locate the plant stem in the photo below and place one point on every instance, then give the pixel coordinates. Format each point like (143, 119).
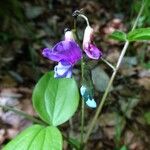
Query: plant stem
(139, 14)
(99, 109)
(82, 121)
(19, 112)
(82, 78)
(82, 107)
(108, 63)
(85, 18)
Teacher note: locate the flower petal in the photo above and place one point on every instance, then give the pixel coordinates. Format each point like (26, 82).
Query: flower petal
(88, 35)
(68, 51)
(92, 51)
(82, 90)
(69, 36)
(91, 103)
(48, 54)
(87, 97)
(63, 69)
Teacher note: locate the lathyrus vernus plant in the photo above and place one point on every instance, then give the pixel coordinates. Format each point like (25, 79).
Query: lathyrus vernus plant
(56, 95)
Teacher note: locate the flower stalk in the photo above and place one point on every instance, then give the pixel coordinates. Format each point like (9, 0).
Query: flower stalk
(108, 63)
(85, 18)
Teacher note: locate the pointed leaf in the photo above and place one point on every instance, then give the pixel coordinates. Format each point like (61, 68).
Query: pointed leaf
(37, 137)
(123, 148)
(55, 100)
(139, 34)
(74, 143)
(118, 35)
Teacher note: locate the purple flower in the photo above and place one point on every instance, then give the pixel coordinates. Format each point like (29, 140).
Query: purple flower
(63, 69)
(90, 49)
(66, 53)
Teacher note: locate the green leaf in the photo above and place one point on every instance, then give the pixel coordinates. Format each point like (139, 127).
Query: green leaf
(55, 100)
(147, 117)
(139, 34)
(118, 35)
(37, 137)
(123, 148)
(74, 143)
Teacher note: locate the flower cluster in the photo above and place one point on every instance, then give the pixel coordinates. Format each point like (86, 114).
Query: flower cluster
(68, 52)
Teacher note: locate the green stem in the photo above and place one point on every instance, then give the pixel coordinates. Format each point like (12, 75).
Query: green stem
(82, 78)
(85, 18)
(82, 121)
(19, 112)
(108, 63)
(100, 107)
(82, 107)
(139, 14)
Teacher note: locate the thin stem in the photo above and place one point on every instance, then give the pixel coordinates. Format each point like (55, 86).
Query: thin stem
(19, 112)
(70, 142)
(82, 107)
(82, 78)
(75, 32)
(85, 18)
(99, 109)
(82, 121)
(139, 14)
(108, 63)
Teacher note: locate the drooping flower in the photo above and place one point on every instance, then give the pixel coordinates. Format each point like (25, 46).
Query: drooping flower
(90, 49)
(89, 100)
(66, 53)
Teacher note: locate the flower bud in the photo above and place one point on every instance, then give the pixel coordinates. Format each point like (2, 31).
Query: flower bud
(90, 49)
(88, 36)
(87, 97)
(69, 36)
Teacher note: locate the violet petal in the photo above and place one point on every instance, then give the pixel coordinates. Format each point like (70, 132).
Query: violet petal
(65, 50)
(63, 69)
(92, 51)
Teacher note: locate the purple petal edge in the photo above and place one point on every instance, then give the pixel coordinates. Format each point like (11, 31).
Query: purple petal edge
(64, 50)
(93, 52)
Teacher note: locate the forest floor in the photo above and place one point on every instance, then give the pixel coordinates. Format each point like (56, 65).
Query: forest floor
(125, 119)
